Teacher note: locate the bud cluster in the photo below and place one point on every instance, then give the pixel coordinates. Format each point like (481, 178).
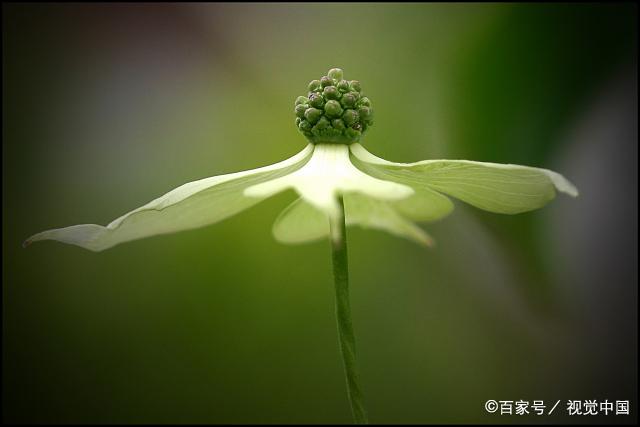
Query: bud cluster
(334, 110)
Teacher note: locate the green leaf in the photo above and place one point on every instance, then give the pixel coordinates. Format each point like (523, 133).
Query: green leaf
(302, 222)
(500, 188)
(189, 206)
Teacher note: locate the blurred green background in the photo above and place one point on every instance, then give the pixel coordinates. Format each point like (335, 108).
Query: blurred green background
(106, 107)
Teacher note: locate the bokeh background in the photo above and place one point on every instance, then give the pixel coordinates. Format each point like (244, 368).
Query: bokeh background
(106, 107)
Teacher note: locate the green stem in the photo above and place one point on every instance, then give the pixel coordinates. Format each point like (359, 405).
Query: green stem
(343, 315)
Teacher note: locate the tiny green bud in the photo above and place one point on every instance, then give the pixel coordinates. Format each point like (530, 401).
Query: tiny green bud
(314, 85)
(355, 85)
(301, 100)
(350, 117)
(304, 126)
(326, 81)
(312, 115)
(333, 109)
(348, 100)
(323, 127)
(330, 92)
(343, 86)
(298, 120)
(364, 112)
(335, 73)
(323, 123)
(338, 124)
(352, 134)
(364, 101)
(316, 100)
(300, 109)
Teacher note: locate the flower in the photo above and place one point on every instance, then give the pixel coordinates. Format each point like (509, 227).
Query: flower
(377, 193)
(339, 183)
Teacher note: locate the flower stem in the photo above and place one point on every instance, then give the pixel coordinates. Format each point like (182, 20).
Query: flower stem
(343, 315)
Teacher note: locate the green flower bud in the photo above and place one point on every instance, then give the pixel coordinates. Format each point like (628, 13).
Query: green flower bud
(314, 85)
(312, 115)
(333, 109)
(335, 74)
(364, 112)
(323, 123)
(300, 109)
(316, 100)
(338, 124)
(353, 134)
(322, 128)
(343, 86)
(330, 92)
(304, 126)
(350, 117)
(348, 100)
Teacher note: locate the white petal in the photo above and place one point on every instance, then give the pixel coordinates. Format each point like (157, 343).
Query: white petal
(328, 174)
(501, 188)
(368, 212)
(189, 206)
(302, 222)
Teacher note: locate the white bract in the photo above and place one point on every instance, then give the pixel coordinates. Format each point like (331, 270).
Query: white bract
(377, 194)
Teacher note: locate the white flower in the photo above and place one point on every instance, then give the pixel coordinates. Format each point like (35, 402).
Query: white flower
(377, 194)
(339, 183)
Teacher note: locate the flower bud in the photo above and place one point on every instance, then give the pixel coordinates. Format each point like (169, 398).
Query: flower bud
(331, 92)
(350, 117)
(334, 110)
(300, 109)
(312, 115)
(338, 124)
(316, 100)
(364, 112)
(323, 123)
(304, 126)
(326, 81)
(322, 127)
(314, 85)
(348, 100)
(343, 86)
(364, 101)
(335, 74)
(352, 133)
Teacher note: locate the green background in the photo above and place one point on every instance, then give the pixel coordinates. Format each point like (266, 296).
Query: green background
(106, 107)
